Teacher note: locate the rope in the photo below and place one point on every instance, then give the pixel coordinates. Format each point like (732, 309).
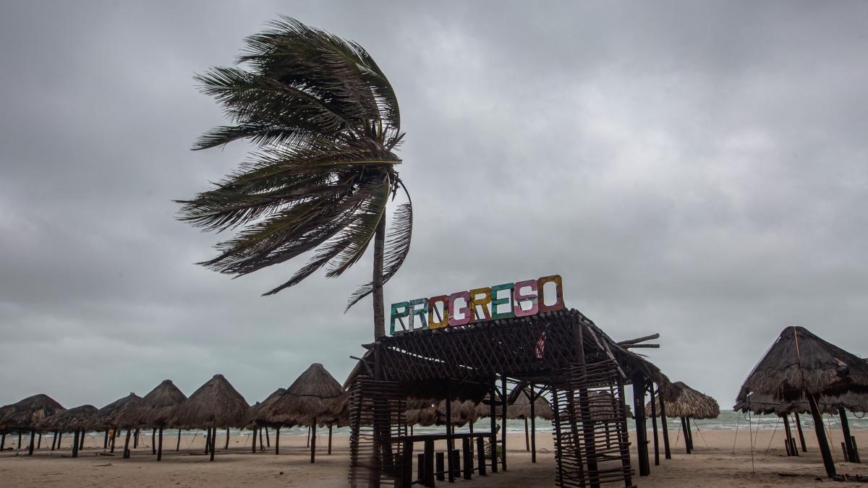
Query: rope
(700, 435)
(829, 435)
(773, 436)
(192, 438)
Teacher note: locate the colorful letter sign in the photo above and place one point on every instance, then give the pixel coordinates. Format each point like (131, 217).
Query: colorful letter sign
(504, 301)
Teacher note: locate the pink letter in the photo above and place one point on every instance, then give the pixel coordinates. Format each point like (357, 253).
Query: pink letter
(454, 310)
(520, 296)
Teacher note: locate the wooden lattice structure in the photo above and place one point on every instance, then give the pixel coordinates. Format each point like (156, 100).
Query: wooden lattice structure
(562, 351)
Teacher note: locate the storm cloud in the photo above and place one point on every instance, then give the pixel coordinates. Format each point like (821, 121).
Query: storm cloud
(697, 169)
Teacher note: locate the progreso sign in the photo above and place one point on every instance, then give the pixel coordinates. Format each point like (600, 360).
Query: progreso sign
(521, 299)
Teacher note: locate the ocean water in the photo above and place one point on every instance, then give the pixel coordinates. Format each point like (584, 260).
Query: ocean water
(728, 420)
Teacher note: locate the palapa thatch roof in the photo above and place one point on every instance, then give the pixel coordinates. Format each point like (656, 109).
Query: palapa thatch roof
(158, 407)
(427, 412)
(687, 403)
(766, 404)
(316, 394)
(121, 413)
(214, 404)
(259, 412)
(74, 419)
(601, 406)
(798, 362)
(520, 407)
(28, 413)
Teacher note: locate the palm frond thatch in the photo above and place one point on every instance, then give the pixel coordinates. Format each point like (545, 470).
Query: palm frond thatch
(29, 412)
(766, 404)
(259, 412)
(214, 404)
(72, 420)
(800, 362)
(158, 407)
(122, 413)
(315, 395)
(686, 403)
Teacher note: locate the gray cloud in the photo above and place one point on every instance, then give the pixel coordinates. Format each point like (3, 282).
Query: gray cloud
(693, 168)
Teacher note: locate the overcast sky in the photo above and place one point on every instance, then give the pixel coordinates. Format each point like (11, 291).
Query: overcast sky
(694, 169)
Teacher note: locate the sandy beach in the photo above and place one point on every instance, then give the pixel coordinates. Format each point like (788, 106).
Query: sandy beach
(714, 463)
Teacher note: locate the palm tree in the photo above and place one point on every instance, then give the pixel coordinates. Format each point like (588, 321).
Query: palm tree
(325, 122)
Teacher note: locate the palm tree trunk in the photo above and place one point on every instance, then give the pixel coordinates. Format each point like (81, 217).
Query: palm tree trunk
(379, 310)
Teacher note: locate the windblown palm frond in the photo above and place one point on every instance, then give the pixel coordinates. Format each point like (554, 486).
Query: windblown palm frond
(326, 121)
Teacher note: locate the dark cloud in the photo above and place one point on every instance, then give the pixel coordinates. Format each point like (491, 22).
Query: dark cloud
(695, 169)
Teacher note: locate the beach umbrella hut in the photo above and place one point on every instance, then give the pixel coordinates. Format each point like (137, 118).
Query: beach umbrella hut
(216, 404)
(120, 414)
(313, 397)
(802, 366)
(522, 408)
(77, 420)
(680, 400)
(259, 419)
(27, 414)
(156, 411)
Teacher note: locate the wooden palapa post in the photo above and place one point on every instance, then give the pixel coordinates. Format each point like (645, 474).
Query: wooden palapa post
(313, 441)
(663, 425)
(791, 445)
(493, 416)
(330, 440)
(160, 447)
(213, 442)
(81, 446)
(267, 438)
(75, 444)
(254, 440)
(32, 442)
(641, 426)
(532, 425)
(654, 398)
(127, 444)
(178, 446)
(801, 434)
(828, 462)
(227, 438)
(277, 440)
(503, 420)
(848, 440)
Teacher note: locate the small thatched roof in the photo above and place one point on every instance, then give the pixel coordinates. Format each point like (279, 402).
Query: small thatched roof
(316, 394)
(259, 412)
(520, 407)
(121, 413)
(214, 404)
(158, 406)
(798, 362)
(688, 403)
(28, 413)
(71, 420)
(601, 406)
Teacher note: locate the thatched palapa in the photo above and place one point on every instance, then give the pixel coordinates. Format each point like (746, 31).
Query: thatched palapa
(28, 414)
(686, 402)
(315, 396)
(802, 366)
(120, 414)
(157, 409)
(72, 420)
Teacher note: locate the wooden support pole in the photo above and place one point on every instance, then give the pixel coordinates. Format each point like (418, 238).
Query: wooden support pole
(254, 439)
(504, 406)
(308, 437)
(467, 450)
(450, 444)
(160, 447)
(53, 442)
(104, 442)
(526, 436)
(39, 442)
(828, 462)
(208, 441)
(313, 441)
(261, 443)
(178, 445)
(848, 439)
(686, 433)
(690, 434)
(641, 428)
(330, 440)
(3, 441)
(81, 446)
(267, 438)
(789, 436)
(226, 448)
(136, 439)
(32, 442)
(440, 466)
(480, 456)
(429, 463)
(532, 424)
(213, 442)
(407, 465)
(75, 444)
(277, 440)
(801, 434)
(154, 441)
(114, 440)
(493, 417)
(654, 399)
(127, 444)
